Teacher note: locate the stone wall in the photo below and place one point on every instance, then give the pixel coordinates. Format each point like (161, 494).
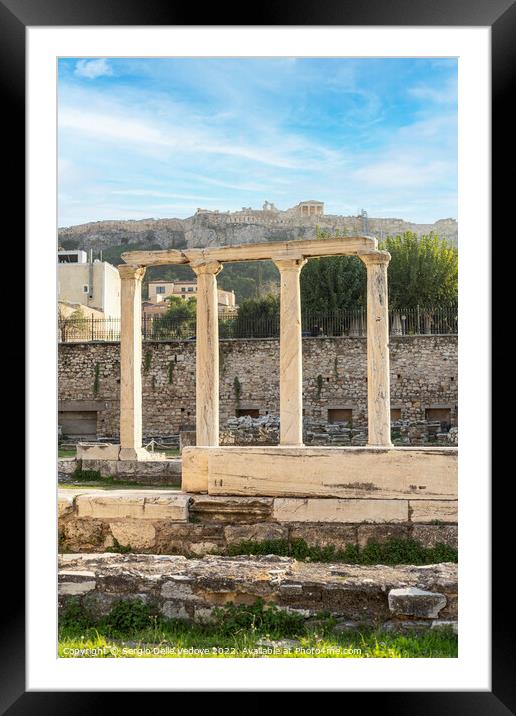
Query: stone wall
(265, 430)
(402, 597)
(172, 522)
(423, 375)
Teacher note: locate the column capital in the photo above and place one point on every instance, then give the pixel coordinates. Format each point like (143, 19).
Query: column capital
(203, 266)
(289, 263)
(131, 272)
(375, 257)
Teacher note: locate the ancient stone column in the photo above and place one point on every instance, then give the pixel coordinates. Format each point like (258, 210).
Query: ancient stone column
(378, 382)
(207, 353)
(131, 362)
(291, 352)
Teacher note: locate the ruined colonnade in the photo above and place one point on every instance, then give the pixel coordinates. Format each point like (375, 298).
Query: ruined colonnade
(289, 257)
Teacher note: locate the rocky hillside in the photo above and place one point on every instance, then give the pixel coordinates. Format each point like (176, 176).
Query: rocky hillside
(219, 229)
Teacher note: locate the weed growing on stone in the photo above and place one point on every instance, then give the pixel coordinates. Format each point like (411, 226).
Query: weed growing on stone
(118, 548)
(80, 475)
(258, 618)
(392, 551)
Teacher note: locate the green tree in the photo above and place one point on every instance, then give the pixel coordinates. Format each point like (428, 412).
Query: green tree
(258, 317)
(179, 319)
(422, 272)
(333, 283)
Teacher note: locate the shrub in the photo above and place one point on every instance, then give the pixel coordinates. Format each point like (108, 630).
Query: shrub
(258, 618)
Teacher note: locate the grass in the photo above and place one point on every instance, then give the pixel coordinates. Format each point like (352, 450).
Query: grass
(392, 551)
(132, 630)
(193, 643)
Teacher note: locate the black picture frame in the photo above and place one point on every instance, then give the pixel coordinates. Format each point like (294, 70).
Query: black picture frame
(500, 15)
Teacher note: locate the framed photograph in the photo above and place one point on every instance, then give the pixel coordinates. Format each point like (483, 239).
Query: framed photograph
(250, 362)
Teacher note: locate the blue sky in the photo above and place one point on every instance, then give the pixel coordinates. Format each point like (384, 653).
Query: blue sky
(160, 137)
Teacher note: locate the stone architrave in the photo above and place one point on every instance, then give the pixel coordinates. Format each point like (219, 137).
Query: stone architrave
(207, 358)
(291, 351)
(378, 381)
(130, 363)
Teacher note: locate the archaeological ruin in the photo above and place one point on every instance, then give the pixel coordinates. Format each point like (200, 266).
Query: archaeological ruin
(337, 495)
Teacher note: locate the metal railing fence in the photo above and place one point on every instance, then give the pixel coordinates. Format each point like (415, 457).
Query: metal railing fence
(441, 320)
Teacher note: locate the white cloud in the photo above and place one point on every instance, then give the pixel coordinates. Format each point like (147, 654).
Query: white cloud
(443, 94)
(281, 150)
(160, 194)
(404, 172)
(91, 69)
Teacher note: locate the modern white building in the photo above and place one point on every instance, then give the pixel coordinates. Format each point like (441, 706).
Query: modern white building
(95, 284)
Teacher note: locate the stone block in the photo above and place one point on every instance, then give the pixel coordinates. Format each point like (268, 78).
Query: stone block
(230, 509)
(446, 624)
(195, 469)
(332, 510)
(83, 535)
(432, 510)
(97, 451)
(124, 504)
(179, 587)
(140, 454)
(167, 507)
(106, 468)
(415, 602)
(379, 473)
(405, 626)
(256, 533)
(76, 582)
(430, 535)
(66, 465)
(173, 609)
(64, 504)
(138, 534)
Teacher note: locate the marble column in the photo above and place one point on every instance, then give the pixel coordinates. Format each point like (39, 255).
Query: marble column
(131, 362)
(291, 352)
(378, 381)
(207, 354)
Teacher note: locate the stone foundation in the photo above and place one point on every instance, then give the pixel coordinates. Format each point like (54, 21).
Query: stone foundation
(146, 472)
(189, 589)
(173, 522)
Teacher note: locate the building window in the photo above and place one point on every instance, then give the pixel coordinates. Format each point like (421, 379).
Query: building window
(190, 289)
(183, 289)
(160, 289)
(252, 412)
(395, 414)
(85, 288)
(340, 415)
